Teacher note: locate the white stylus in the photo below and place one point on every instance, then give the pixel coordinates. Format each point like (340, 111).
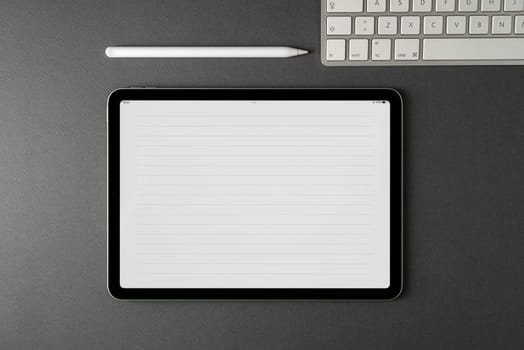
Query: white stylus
(203, 52)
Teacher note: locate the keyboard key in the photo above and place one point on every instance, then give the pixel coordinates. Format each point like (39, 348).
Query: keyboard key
(335, 50)
(406, 49)
(381, 49)
(338, 25)
(468, 5)
(456, 25)
(376, 5)
(387, 25)
(358, 49)
(490, 5)
(519, 25)
(364, 25)
(433, 25)
(445, 6)
(345, 5)
(399, 5)
(478, 25)
(501, 25)
(513, 5)
(474, 49)
(410, 25)
(421, 5)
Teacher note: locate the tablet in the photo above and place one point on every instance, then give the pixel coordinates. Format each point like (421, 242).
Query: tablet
(254, 193)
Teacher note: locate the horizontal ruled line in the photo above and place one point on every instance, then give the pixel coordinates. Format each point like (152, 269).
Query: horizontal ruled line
(229, 254)
(252, 205)
(247, 233)
(175, 224)
(258, 175)
(256, 273)
(294, 126)
(255, 263)
(253, 135)
(213, 155)
(243, 145)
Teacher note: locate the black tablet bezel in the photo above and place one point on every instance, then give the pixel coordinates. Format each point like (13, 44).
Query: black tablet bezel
(396, 196)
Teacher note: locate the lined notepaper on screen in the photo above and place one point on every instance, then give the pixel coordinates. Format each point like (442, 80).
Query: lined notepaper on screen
(254, 194)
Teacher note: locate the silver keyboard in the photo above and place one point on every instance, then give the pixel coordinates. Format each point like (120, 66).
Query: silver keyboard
(422, 32)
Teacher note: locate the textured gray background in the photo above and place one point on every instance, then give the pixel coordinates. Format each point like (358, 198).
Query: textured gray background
(464, 234)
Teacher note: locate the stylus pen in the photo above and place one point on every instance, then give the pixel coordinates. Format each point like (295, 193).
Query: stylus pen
(203, 52)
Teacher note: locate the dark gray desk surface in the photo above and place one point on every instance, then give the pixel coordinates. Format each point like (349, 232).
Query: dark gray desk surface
(464, 238)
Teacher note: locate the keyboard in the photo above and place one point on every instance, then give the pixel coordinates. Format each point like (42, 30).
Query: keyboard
(422, 32)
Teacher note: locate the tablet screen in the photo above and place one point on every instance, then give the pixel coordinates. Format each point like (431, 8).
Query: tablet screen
(254, 194)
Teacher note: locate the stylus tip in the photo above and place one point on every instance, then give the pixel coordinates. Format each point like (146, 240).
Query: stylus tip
(302, 52)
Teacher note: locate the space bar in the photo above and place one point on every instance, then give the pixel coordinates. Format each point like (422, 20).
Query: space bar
(474, 49)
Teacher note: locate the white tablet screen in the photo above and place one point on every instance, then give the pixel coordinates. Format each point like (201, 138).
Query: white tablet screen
(254, 194)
